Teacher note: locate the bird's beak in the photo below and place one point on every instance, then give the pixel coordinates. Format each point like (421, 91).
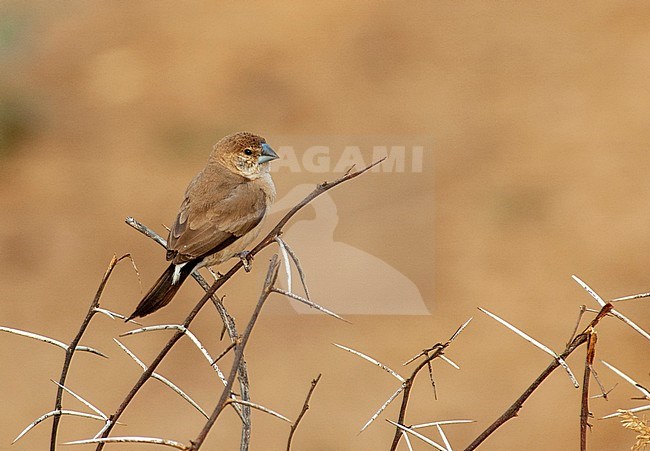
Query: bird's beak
(268, 154)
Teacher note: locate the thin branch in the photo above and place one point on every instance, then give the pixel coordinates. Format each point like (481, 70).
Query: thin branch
(229, 326)
(69, 353)
(583, 309)
(429, 354)
(644, 391)
(584, 404)
(224, 353)
(512, 411)
(271, 277)
(303, 411)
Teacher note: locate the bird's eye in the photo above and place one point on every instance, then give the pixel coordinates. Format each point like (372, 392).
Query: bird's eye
(248, 152)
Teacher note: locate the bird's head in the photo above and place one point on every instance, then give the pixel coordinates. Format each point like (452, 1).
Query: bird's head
(244, 153)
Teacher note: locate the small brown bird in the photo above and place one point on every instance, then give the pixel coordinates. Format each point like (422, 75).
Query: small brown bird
(220, 216)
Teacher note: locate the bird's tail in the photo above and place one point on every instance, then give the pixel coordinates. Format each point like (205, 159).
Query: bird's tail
(162, 291)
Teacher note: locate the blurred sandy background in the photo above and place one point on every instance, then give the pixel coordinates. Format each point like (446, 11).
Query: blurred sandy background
(538, 115)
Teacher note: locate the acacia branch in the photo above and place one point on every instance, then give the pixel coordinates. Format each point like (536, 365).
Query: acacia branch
(302, 413)
(69, 353)
(431, 353)
(266, 241)
(229, 326)
(511, 412)
(584, 402)
(271, 277)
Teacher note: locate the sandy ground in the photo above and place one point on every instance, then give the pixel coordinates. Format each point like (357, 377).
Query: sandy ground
(523, 133)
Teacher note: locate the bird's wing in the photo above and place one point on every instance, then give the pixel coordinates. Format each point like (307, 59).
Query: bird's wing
(210, 222)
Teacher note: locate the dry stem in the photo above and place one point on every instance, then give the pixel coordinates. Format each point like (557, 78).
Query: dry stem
(69, 353)
(511, 412)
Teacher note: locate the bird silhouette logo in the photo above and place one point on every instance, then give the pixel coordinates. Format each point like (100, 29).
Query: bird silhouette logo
(378, 288)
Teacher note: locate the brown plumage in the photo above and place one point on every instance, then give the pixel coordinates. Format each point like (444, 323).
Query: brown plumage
(219, 217)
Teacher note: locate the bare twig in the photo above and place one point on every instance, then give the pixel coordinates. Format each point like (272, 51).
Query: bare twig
(584, 404)
(511, 412)
(644, 391)
(583, 309)
(271, 277)
(69, 353)
(431, 353)
(302, 413)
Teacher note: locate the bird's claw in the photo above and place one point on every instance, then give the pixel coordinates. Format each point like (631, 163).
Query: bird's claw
(246, 259)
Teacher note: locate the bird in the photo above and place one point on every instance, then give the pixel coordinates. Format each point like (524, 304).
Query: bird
(220, 215)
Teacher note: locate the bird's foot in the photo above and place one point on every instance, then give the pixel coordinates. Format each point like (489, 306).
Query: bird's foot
(246, 259)
(216, 274)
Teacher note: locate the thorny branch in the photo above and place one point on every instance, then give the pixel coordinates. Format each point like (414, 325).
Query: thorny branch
(511, 412)
(69, 353)
(229, 326)
(302, 413)
(266, 241)
(431, 353)
(271, 277)
(584, 402)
